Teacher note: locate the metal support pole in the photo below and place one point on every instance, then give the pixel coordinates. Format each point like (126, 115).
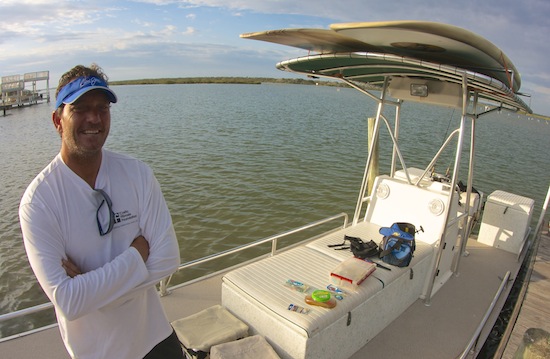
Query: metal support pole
(396, 136)
(363, 189)
(374, 169)
(467, 227)
(452, 193)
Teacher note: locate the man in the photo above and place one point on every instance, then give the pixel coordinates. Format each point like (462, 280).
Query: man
(98, 233)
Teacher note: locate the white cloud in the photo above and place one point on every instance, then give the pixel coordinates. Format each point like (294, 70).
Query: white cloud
(189, 31)
(63, 31)
(142, 23)
(168, 30)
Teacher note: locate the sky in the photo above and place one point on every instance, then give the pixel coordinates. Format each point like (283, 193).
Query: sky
(196, 38)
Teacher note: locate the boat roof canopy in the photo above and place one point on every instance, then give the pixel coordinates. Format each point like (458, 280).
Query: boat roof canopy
(408, 53)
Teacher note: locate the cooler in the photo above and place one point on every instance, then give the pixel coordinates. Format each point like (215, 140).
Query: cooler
(506, 220)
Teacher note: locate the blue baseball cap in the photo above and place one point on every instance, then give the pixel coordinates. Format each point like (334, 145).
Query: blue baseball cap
(76, 88)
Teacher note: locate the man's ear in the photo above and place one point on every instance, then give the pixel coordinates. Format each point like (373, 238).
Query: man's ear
(56, 119)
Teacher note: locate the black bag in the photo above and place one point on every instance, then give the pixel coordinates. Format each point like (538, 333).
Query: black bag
(398, 245)
(359, 248)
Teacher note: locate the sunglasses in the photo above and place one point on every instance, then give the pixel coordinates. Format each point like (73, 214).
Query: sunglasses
(106, 199)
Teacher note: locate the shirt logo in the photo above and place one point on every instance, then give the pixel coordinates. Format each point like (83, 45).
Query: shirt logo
(125, 217)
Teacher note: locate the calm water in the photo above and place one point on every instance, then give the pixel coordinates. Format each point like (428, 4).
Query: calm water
(242, 162)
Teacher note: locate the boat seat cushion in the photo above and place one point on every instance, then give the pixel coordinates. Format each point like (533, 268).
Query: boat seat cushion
(257, 294)
(264, 282)
(254, 347)
(211, 326)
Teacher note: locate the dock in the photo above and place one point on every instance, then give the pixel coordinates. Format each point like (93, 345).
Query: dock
(530, 336)
(24, 90)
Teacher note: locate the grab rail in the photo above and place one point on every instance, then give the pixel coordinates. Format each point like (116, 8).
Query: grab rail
(164, 283)
(26, 311)
(475, 337)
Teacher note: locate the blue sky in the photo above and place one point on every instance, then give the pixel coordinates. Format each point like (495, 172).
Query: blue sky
(164, 38)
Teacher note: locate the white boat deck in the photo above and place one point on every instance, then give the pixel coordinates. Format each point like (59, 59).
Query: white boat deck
(453, 315)
(449, 321)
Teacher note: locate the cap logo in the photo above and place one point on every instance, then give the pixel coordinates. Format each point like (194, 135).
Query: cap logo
(89, 81)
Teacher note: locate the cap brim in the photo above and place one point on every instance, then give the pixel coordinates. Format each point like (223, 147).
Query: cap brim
(75, 96)
(72, 91)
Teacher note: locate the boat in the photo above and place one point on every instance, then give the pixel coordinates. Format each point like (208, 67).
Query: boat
(469, 246)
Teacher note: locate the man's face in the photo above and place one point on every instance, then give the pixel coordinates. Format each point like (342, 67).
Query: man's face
(84, 125)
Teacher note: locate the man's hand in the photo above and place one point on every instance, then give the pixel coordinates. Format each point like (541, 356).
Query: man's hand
(70, 268)
(141, 244)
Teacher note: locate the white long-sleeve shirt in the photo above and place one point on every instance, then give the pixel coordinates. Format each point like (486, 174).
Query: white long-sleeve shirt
(112, 310)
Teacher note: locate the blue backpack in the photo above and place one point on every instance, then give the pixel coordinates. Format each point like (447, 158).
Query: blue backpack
(398, 245)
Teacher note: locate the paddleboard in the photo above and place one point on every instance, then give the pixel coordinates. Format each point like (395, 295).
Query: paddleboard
(317, 40)
(436, 42)
(428, 41)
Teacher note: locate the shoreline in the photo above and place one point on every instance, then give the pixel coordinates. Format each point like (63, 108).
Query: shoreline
(249, 81)
(225, 80)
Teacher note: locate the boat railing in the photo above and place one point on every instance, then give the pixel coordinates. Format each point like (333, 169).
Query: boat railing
(468, 350)
(396, 148)
(163, 285)
(437, 155)
(163, 288)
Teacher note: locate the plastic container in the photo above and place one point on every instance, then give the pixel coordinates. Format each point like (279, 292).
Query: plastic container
(321, 298)
(351, 272)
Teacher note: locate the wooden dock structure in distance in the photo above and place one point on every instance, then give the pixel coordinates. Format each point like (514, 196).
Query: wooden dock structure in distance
(14, 91)
(530, 336)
